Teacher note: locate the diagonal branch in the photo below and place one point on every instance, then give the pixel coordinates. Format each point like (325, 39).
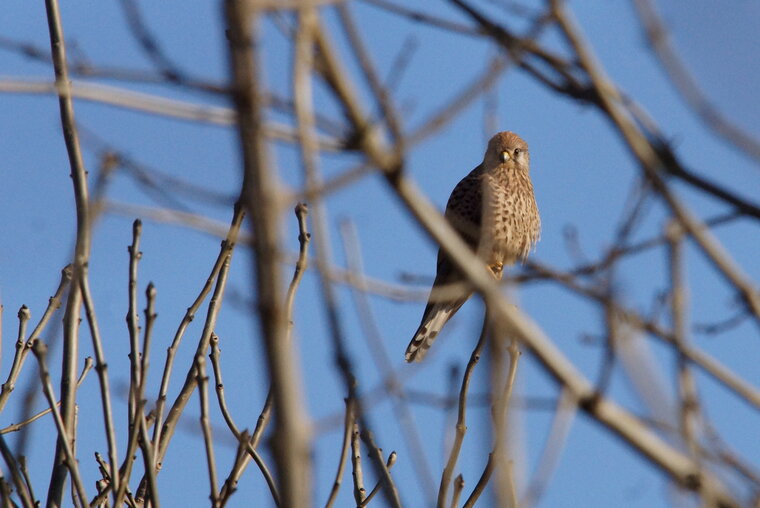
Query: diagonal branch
(687, 86)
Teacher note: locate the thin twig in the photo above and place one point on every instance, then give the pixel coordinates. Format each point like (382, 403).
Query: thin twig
(104, 484)
(335, 273)
(376, 456)
(156, 105)
(189, 385)
(497, 458)
(226, 248)
(618, 252)
(366, 136)
(419, 16)
(242, 437)
(347, 433)
(148, 452)
(27, 498)
(136, 385)
(389, 464)
(150, 45)
(83, 67)
(722, 374)
(150, 320)
(370, 74)
(135, 375)
(230, 483)
(304, 237)
(23, 348)
(263, 467)
(40, 352)
(24, 315)
(202, 380)
(360, 493)
(27, 479)
(101, 367)
(458, 488)
(18, 426)
(383, 361)
(214, 356)
(461, 426)
(687, 85)
(161, 444)
(651, 160)
(456, 104)
(482, 482)
(687, 389)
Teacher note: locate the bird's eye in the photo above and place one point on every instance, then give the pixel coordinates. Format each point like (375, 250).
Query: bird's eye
(517, 152)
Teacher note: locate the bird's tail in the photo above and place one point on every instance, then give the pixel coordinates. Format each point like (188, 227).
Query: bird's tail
(436, 315)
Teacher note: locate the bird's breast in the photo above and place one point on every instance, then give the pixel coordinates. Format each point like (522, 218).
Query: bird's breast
(511, 223)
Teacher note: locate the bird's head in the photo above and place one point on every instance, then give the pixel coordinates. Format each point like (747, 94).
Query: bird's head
(507, 150)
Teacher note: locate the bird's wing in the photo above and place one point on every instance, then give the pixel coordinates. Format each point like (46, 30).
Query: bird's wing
(464, 209)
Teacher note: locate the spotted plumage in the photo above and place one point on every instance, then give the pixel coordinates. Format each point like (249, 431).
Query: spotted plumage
(494, 210)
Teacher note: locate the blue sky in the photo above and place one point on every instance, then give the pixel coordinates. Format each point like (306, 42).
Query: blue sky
(580, 168)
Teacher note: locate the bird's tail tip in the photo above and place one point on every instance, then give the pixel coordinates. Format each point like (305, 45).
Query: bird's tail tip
(420, 344)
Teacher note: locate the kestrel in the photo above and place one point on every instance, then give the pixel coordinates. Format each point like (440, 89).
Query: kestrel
(494, 210)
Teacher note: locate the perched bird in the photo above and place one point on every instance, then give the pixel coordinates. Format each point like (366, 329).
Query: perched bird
(494, 210)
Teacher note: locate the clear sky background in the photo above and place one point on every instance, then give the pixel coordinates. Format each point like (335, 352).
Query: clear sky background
(582, 175)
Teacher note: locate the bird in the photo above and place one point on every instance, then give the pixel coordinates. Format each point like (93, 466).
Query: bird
(494, 210)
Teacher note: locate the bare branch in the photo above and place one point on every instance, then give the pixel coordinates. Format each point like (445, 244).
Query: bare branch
(18, 426)
(81, 256)
(80, 498)
(148, 453)
(155, 105)
(291, 436)
(101, 367)
(27, 480)
(383, 361)
(458, 488)
(389, 464)
(135, 377)
(360, 493)
(423, 17)
(224, 252)
(687, 388)
(23, 348)
(651, 161)
(461, 426)
(347, 442)
(202, 380)
(686, 84)
(365, 62)
(508, 318)
(304, 237)
(27, 498)
(246, 444)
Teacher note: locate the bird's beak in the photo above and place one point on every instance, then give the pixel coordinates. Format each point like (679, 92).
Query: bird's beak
(504, 156)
